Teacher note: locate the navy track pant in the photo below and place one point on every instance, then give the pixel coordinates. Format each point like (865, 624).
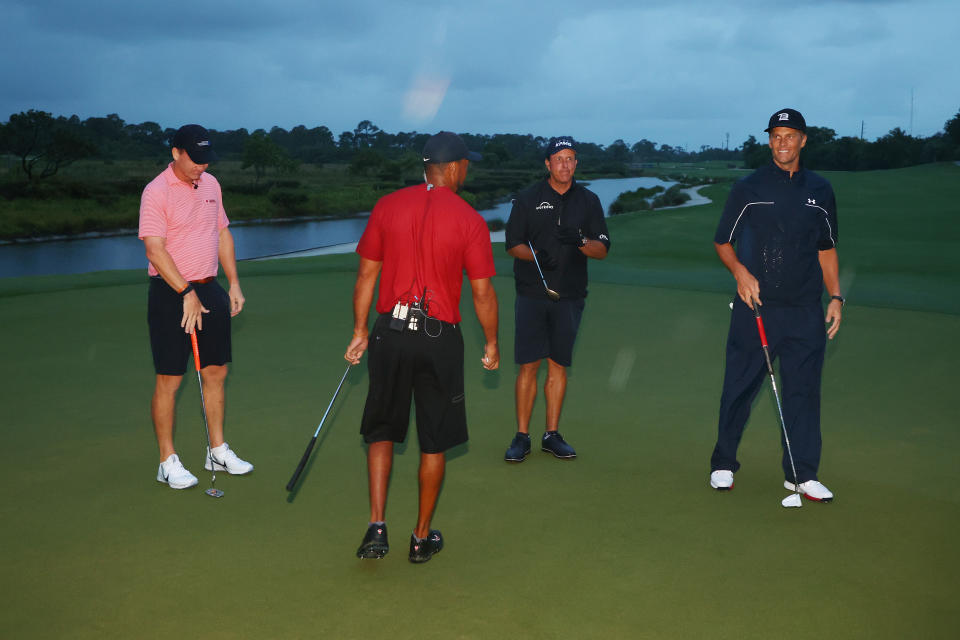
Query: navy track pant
(797, 340)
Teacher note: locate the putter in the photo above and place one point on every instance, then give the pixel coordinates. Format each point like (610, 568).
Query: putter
(313, 441)
(794, 499)
(553, 295)
(213, 492)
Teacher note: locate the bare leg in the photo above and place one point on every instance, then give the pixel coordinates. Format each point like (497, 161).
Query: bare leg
(432, 466)
(526, 392)
(379, 461)
(162, 410)
(554, 390)
(214, 377)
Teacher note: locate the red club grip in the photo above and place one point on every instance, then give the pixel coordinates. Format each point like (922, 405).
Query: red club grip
(196, 349)
(763, 334)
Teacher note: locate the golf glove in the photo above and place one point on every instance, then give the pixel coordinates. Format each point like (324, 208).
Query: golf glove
(547, 261)
(572, 236)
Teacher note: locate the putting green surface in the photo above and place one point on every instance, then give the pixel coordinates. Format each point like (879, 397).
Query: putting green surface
(626, 541)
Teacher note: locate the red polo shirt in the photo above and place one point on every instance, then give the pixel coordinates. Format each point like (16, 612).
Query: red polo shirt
(189, 219)
(426, 239)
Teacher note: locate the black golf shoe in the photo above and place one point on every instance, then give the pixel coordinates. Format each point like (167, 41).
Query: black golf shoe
(554, 443)
(374, 545)
(423, 550)
(519, 448)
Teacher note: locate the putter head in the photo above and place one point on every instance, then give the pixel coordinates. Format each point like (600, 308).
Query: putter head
(553, 295)
(793, 500)
(214, 493)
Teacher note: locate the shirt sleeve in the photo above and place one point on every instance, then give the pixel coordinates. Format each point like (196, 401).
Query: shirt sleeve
(597, 224)
(515, 231)
(829, 237)
(153, 222)
(222, 221)
(730, 225)
(371, 242)
(478, 257)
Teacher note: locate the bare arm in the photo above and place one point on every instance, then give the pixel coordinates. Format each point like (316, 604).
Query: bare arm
(228, 260)
(521, 252)
(830, 265)
(162, 261)
(485, 305)
(367, 274)
(594, 249)
(747, 286)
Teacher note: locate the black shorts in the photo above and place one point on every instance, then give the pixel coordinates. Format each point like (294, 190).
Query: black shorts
(430, 370)
(170, 345)
(546, 329)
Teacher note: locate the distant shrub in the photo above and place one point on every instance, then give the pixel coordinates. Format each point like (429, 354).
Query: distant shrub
(289, 202)
(671, 197)
(636, 200)
(495, 224)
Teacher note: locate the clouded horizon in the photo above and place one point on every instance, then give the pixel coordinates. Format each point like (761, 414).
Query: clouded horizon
(683, 74)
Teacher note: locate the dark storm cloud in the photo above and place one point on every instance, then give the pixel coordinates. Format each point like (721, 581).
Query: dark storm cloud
(682, 74)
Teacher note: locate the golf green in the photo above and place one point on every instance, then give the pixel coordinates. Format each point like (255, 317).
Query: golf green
(626, 541)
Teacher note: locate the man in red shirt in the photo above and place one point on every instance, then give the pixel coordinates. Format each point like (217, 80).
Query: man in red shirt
(420, 240)
(185, 231)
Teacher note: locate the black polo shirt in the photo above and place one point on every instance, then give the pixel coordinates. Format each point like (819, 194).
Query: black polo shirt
(537, 214)
(779, 224)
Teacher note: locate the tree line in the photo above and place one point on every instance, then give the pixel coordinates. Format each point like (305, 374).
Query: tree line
(43, 144)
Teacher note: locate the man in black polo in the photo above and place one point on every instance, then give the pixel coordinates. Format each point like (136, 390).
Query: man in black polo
(783, 220)
(563, 223)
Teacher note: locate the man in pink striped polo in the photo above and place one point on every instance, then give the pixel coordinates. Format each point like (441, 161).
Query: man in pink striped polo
(185, 230)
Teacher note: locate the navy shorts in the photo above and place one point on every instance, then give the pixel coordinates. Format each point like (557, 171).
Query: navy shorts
(425, 365)
(170, 345)
(546, 329)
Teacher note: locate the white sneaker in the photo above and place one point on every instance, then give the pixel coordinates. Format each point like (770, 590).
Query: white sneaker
(174, 474)
(224, 459)
(721, 480)
(812, 489)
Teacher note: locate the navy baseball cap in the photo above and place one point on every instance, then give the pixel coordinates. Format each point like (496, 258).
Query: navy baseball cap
(195, 140)
(559, 143)
(447, 147)
(787, 118)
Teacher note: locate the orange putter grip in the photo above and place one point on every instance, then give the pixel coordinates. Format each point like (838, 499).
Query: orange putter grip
(196, 350)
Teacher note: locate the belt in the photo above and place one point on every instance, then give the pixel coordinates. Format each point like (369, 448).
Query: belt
(203, 280)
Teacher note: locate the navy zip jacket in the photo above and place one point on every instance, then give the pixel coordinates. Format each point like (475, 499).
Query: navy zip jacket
(537, 214)
(778, 226)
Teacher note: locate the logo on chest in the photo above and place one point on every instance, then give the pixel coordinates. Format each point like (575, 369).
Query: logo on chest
(811, 201)
(543, 206)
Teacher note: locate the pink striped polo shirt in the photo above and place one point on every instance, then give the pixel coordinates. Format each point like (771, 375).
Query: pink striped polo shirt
(190, 220)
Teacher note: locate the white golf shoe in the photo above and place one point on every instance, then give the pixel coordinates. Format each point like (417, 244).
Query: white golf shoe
(224, 459)
(721, 480)
(174, 474)
(812, 489)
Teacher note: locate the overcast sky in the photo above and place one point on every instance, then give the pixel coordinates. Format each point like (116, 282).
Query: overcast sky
(678, 73)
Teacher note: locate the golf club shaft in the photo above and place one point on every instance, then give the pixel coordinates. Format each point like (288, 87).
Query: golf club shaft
(203, 406)
(313, 440)
(550, 292)
(776, 394)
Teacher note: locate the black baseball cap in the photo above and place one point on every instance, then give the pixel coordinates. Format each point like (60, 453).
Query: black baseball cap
(447, 147)
(195, 140)
(559, 143)
(787, 118)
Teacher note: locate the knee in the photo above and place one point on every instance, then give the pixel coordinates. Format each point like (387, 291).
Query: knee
(214, 374)
(167, 385)
(529, 370)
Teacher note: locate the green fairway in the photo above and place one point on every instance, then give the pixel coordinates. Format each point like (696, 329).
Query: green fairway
(627, 541)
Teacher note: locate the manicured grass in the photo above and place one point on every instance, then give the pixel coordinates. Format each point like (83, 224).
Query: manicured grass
(626, 541)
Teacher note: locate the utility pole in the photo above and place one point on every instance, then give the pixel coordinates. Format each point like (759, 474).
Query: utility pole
(727, 145)
(861, 131)
(911, 111)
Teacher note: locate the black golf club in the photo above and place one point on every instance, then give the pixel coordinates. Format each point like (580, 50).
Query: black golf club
(553, 295)
(213, 492)
(313, 440)
(792, 500)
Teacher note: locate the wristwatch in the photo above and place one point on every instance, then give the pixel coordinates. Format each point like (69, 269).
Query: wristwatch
(840, 298)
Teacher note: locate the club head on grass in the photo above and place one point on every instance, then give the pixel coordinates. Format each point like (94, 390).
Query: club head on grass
(214, 493)
(793, 500)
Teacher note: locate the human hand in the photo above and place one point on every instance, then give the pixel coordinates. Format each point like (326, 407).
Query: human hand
(193, 311)
(571, 236)
(236, 299)
(491, 357)
(356, 348)
(748, 288)
(547, 262)
(834, 314)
